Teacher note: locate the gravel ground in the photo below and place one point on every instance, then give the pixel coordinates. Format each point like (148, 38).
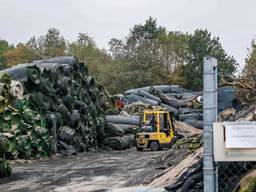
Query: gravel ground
(95, 172)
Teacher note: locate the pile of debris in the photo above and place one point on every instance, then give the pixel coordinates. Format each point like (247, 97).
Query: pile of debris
(120, 131)
(19, 124)
(245, 88)
(182, 162)
(185, 104)
(185, 172)
(62, 109)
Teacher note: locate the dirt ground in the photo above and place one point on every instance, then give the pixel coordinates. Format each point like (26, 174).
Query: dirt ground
(95, 172)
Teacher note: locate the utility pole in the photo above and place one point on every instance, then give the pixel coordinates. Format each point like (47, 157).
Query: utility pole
(210, 116)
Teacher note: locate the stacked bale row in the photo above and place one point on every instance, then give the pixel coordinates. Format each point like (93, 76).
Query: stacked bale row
(5, 168)
(74, 98)
(23, 132)
(185, 104)
(120, 131)
(63, 88)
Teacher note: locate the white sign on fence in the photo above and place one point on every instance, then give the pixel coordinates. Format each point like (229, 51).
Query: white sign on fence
(240, 135)
(234, 141)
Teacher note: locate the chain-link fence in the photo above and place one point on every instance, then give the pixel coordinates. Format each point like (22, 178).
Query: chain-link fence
(230, 173)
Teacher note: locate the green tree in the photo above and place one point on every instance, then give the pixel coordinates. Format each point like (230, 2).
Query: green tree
(116, 48)
(140, 63)
(36, 46)
(249, 70)
(53, 44)
(20, 54)
(172, 50)
(84, 48)
(149, 55)
(4, 47)
(202, 44)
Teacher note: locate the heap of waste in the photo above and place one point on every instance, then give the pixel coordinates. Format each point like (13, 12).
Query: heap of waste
(184, 170)
(120, 131)
(19, 123)
(50, 105)
(185, 104)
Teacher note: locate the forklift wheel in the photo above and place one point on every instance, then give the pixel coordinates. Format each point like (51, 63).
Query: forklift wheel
(139, 148)
(154, 146)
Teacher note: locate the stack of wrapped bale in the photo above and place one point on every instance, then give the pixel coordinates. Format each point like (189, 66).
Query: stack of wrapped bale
(62, 106)
(120, 131)
(23, 132)
(185, 104)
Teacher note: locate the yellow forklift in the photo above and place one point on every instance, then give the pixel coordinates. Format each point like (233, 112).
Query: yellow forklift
(157, 130)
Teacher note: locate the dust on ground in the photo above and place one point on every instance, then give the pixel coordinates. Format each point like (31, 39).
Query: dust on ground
(95, 172)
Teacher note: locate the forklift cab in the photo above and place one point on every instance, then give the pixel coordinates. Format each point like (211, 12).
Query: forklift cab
(157, 130)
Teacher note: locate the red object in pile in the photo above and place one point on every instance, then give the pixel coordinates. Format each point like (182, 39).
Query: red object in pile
(120, 104)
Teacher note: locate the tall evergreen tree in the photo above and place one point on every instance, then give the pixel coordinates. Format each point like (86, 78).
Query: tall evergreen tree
(202, 44)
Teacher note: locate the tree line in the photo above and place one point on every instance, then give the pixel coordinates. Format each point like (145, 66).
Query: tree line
(149, 55)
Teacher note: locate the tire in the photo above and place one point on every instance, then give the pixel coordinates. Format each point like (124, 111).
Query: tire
(154, 146)
(139, 149)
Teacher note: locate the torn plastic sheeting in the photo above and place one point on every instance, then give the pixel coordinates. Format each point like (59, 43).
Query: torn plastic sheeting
(195, 123)
(112, 130)
(173, 102)
(148, 95)
(134, 98)
(162, 88)
(62, 59)
(127, 129)
(18, 72)
(118, 119)
(183, 95)
(120, 143)
(189, 179)
(189, 110)
(171, 109)
(199, 124)
(198, 116)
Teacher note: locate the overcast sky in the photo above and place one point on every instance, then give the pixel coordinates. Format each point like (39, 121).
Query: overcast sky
(234, 21)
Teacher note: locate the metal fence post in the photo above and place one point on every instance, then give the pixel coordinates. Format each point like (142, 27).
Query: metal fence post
(216, 177)
(210, 116)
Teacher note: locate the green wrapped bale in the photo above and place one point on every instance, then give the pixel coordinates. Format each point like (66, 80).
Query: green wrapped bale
(120, 143)
(65, 90)
(5, 168)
